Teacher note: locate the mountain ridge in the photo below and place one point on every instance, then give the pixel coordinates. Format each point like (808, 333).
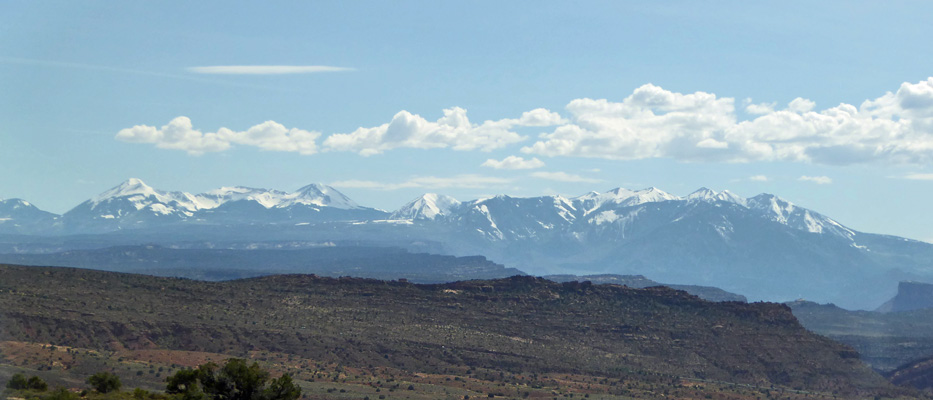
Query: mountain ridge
(763, 247)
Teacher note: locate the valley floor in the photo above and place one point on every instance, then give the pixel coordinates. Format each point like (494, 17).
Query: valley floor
(67, 367)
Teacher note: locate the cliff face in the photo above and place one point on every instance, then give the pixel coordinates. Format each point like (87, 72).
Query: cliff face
(910, 296)
(519, 324)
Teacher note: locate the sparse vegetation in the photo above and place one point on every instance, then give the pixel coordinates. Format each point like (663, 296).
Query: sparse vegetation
(358, 338)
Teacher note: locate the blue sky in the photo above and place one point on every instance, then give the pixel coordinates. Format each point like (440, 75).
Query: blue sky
(827, 104)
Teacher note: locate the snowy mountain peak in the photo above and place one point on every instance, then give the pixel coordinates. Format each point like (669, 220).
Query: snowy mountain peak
(616, 195)
(702, 193)
(320, 195)
(10, 207)
(427, 206)
(314, 189)
(16, 213)
(132, 186)
(133, 202)
(231, 190)
(726, 195)
(706, 194)
(775, 207)
(622, 197)
(650, 195)
(14, 203)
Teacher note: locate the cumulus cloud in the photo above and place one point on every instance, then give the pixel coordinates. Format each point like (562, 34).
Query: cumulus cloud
(758, 178)
(453, 130)
(801, 105)
(405, 130)
(896, 128)
(265, 69)
(819, 180)
(179, 134)
(514, 162)
(564, 177)
(467, 181)
(759, 109)
(652, 122)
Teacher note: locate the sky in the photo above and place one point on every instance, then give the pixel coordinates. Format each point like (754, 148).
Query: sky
(826, 104)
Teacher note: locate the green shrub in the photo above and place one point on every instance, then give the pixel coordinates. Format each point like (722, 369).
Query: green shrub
(17, 382)
(105, 382)
(36, 383)
(236, 380)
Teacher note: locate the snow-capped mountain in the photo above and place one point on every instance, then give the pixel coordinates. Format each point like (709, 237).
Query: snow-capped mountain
(135, 205)
(19, 216)
(131, 204)
(763, 247)
(426, 206)
(312, 195)
(508, 218)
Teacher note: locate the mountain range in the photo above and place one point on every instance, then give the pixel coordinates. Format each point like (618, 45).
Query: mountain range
(763, 247)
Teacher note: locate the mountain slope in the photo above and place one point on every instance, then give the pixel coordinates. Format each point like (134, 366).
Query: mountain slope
(763, 247)
(19, 216)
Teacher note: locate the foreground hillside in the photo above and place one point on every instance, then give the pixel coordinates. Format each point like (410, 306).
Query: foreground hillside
(498, 331)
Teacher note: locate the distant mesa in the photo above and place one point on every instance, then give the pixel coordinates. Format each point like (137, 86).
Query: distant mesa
(910, 296)
(707, 293)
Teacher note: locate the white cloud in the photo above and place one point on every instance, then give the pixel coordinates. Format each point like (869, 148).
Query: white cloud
(453, 130)
(265, 69)
(539, 117)
(758, 178)
(919, 177)
(819, 180)
(801, 105)
(468, 181)
(710, 143)
(564, 177)
(759, 109)
(179, 134)
(514, 162)
(896, 128)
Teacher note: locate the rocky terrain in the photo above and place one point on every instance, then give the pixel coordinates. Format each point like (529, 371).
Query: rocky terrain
(515, 326)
